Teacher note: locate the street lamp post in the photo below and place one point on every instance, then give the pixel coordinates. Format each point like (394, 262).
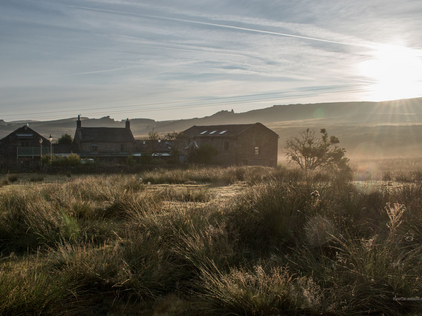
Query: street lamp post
(51, 148)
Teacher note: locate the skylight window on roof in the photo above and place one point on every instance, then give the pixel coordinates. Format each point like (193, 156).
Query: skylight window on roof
(203, 132)
(223, 132)
(213, 132)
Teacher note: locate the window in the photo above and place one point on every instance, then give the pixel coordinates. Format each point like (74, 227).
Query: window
(94, 147)
(122, 147)
(203, 132)
(24, 144)
(212, 132)
(256, 150)
(226, 146)
(222, 132)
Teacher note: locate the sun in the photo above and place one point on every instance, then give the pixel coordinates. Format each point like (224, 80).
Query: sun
(395, 72)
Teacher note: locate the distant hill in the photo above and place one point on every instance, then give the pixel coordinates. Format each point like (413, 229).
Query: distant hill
(369, 129)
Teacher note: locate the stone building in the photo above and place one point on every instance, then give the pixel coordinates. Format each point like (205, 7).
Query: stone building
(24, 146)
(242, 144)
(107, 143)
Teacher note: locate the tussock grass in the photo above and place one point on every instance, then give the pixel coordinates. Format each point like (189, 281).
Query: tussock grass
(217, 175)
(287, 244)
(185, 194)
(27, 289)
(258, 292)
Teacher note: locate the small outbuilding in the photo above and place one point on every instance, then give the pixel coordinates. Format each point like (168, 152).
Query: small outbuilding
(237, 144)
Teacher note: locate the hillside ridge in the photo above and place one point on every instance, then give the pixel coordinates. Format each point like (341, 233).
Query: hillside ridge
(387, 128)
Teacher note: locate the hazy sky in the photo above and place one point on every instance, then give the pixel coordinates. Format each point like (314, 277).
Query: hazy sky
(172, 59)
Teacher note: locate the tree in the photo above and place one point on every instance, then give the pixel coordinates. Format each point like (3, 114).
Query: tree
(311, 152)
(65, 139)
(175, 140)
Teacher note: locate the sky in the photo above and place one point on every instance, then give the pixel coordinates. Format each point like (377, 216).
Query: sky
(177, 59)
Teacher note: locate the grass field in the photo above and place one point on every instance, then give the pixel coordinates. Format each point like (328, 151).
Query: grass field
(214, 241)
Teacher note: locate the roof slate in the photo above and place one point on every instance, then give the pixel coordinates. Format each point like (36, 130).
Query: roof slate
(106, 134)
(24, 132)
(222, 131)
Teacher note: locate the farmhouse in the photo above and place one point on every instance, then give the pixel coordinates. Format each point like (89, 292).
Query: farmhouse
(23, 146)
(242, 144)
(107, 143)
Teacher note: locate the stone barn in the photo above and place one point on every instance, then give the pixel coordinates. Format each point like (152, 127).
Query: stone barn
(237, 144)
(106, 143)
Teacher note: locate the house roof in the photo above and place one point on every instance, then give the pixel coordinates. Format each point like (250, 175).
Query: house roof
(232, 130)
(24, 133)
(105, 134)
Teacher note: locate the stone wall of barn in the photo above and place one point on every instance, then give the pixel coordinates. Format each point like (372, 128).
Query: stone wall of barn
(226, 147)
(257, 146)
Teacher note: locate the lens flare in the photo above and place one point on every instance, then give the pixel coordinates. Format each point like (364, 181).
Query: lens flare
(396, 73)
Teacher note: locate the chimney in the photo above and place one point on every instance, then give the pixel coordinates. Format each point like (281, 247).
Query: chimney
(79, 122)
(127, 124)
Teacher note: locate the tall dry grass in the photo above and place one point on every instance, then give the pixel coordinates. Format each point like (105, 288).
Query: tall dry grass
(284, 245)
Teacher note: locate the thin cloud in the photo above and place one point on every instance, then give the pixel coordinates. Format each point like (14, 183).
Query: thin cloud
(111, 54)
(203, 23)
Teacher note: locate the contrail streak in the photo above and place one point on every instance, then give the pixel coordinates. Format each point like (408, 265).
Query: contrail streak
(204, 23)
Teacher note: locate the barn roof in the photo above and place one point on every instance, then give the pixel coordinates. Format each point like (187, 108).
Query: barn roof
(232, 130)
(105, 134)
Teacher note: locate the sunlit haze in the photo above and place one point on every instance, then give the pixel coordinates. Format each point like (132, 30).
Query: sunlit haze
(396, 72)
(174, 59)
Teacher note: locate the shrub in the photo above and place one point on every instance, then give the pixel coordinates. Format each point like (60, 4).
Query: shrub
(130, 161)
(311, 153)
(63, 161)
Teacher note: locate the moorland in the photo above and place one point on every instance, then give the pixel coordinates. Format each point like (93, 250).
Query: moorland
(214, 241)
(225, 241)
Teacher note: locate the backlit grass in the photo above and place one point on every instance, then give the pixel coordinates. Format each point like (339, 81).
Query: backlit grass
(284, 244)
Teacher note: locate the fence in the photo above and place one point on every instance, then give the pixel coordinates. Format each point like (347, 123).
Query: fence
(33, 151)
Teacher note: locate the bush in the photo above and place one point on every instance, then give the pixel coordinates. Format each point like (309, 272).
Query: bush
(63, 161)
(311, 153)
(130, 161)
